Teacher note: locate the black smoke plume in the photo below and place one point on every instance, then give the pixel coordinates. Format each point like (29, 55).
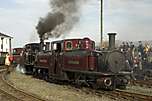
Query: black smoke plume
(49, 23)
(64, 15)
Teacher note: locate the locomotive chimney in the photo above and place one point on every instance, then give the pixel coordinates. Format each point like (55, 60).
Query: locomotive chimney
(111, 41)
(47, 46)
(41, 44)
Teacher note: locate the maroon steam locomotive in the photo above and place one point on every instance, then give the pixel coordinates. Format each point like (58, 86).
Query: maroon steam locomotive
(77, 61)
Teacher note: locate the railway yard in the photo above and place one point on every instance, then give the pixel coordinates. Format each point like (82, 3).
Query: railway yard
(71, 74)
(51, 64)
(19, 87)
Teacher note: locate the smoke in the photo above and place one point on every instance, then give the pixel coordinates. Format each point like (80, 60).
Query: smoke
(49, 23)
(62, 18)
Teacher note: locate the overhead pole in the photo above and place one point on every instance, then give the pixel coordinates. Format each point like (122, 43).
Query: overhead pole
(101, 29)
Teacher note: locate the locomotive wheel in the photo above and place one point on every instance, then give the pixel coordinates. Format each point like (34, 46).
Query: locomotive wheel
(112, 87)
(45, 75)
(46, 78)
(95, 86)
(34, 70)
(40, 74)
(70, 76)
(35, 73)
(77, 80)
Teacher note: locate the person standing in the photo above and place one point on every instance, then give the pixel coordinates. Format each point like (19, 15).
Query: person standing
(7, 61)
(141, 49)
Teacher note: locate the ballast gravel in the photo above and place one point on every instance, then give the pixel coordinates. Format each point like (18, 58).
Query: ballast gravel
(51, 91)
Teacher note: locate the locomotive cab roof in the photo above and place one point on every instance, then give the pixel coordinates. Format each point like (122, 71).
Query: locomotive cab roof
(73, 44)
(32, 46)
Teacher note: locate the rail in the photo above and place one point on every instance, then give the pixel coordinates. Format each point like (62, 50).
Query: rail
(142, 83)
(117, 94)
(17, 94)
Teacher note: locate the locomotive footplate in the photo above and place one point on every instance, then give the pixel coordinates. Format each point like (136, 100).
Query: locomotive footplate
(93, 72)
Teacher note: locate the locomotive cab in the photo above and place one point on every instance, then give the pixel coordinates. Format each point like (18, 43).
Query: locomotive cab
(57, 46)
(78, 55)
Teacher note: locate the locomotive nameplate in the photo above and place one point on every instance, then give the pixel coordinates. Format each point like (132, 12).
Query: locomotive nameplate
(73, 62)
(43, 61)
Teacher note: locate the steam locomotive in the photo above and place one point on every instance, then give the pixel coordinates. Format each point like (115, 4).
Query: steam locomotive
(77, 61)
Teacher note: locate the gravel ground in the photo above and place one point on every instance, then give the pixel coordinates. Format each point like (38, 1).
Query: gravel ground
(50, 91)
(4, 97)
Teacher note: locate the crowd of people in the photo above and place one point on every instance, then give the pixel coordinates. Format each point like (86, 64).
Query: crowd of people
(136, 55)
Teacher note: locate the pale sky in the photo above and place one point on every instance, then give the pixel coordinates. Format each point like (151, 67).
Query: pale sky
(131, 19)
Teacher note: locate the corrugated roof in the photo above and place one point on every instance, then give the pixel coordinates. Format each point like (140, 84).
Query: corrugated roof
(1, 34)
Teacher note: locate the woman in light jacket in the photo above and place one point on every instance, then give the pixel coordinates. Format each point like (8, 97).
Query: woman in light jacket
(7, 61)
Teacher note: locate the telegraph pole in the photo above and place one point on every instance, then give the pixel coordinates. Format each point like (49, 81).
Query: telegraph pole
(101, 31)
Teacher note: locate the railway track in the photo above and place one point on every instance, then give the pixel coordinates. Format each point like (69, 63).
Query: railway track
(120, 95)
(132, 96)
(7, 89)
(147, 83)
(5, 96)
(123, 95)
(19, 95)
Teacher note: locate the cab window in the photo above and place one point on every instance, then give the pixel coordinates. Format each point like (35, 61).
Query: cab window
(69, 45)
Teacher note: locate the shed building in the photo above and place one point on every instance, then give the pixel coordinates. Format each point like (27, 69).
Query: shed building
(5, 43)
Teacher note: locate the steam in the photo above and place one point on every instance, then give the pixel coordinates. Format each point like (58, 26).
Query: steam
(63, 16)
(20, 69)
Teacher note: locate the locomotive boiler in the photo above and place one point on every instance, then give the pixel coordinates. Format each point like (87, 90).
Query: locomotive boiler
(77, 61)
